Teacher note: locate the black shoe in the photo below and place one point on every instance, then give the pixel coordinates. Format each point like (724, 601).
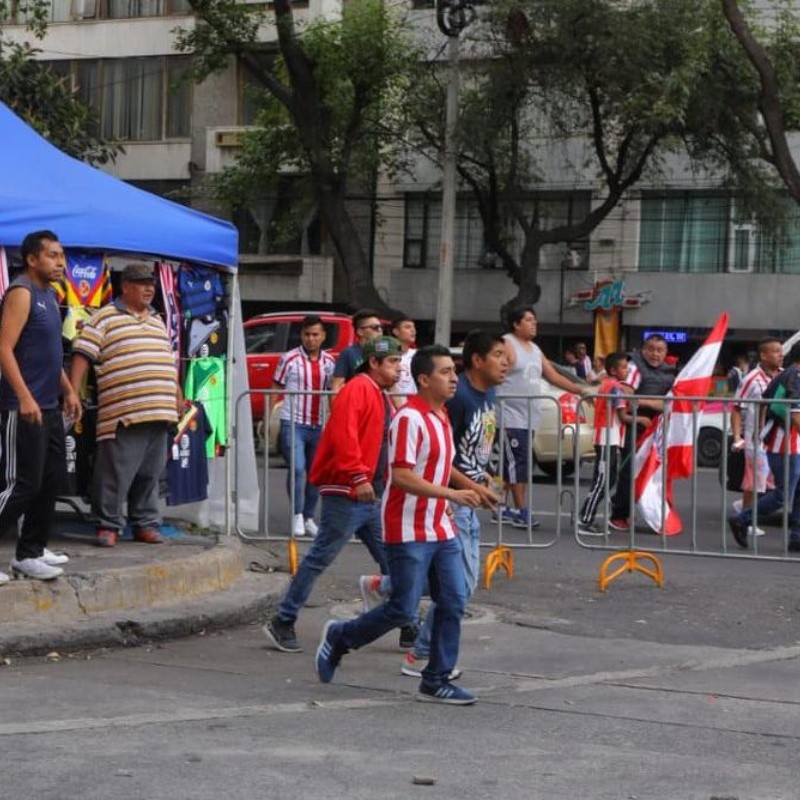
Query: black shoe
(408, 635)
(794, 544)
(739, 531)
(282, 635)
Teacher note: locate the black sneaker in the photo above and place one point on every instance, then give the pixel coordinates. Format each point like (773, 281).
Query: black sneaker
(794, 544)
(447, 693)
(589, 529)
(282, 635)
(739, 531)
(408, 635)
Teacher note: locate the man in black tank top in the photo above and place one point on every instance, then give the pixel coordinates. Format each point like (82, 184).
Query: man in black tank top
(32, 457)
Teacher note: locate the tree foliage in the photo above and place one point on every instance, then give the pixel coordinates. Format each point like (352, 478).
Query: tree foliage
(332, 91)
(40, 97)
(608, 90)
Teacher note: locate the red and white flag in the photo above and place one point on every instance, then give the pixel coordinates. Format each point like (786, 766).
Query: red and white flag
(694, 380)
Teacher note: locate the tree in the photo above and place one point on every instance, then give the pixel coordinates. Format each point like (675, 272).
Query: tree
(43, 99)
(330, 94)
(606, 90)
(778, 101)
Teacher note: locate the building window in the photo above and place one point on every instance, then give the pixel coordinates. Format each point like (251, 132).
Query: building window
(684, 232)
(78, 10)
(136, 99)
(702, 232)
(423, 219)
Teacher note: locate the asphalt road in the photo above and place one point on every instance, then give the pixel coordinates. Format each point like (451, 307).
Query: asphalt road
(690, 691)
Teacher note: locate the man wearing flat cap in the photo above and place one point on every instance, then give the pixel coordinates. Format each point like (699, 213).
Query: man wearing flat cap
(349, 468)
(138, 398)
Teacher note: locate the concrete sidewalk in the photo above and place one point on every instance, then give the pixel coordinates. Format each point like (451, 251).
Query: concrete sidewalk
(121, 595)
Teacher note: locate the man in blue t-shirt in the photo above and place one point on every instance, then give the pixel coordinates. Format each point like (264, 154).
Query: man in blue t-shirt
(367, 326)
(473, 416)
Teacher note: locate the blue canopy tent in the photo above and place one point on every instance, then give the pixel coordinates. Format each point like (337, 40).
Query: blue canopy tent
(41, 187)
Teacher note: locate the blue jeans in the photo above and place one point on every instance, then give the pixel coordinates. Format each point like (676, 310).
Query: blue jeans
(469, 531)
(306, 439)
(340, 519)
(775, 499)
(410, 564)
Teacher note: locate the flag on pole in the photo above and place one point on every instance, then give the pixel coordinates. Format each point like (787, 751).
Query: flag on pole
(694, 380)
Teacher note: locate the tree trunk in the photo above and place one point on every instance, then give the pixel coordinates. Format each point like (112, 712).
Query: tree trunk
(528, 290)
(352, 258)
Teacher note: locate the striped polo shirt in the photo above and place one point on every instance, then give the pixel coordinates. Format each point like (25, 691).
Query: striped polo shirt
(134, 365)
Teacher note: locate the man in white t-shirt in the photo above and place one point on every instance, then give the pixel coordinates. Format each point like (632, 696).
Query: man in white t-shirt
(404, 330)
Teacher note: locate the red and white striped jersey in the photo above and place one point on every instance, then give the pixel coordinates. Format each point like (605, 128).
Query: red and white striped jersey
(420, 439)
(775, 438)
(607, 424)
(296, 372)
(751, 388)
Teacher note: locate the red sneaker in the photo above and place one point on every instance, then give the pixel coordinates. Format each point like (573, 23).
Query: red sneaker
(105, 537)
(148, 536)
(619, 524)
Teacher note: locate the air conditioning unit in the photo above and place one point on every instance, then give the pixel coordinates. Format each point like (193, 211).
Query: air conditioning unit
(228, 138)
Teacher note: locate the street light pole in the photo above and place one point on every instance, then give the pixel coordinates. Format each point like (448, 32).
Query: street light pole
(452, 17)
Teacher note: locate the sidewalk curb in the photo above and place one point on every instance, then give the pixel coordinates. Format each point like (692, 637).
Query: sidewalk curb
(251, 599)
(214, 569)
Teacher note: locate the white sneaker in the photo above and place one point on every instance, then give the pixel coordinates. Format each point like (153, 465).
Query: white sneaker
(53, 559)
(755, 532)
(736, 505)
(34, 568)
(4, 578)
(311, 528)
(298, 525)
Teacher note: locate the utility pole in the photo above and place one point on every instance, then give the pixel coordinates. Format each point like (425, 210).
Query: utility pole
(452, 17)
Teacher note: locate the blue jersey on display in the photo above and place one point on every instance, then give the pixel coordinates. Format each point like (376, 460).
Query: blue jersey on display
(187, 465)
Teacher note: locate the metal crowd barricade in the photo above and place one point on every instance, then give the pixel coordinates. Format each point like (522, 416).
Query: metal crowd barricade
(702, 534)
(504, 542)
(501, 554)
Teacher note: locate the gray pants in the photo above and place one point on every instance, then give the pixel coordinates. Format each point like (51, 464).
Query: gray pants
(128, 468)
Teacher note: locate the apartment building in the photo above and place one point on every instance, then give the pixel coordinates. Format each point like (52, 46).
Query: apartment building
(679, 248)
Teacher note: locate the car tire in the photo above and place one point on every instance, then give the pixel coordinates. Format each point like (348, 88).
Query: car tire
(551, 469)
(709, 447)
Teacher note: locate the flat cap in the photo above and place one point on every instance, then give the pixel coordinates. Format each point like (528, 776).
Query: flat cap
(138, 271)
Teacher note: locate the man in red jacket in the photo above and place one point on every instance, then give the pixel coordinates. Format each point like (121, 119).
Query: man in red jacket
(350, 469)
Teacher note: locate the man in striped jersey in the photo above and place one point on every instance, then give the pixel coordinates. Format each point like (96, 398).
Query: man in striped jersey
(744, 421)
(138, 398)
(421, 542)
(780, 436)
(307, 368)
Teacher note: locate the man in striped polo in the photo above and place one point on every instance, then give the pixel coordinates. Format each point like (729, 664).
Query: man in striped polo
(421, 542)
(302, 371)
(138, 398)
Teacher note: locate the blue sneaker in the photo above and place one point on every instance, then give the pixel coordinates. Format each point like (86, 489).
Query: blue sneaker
(523, 517)
(447, 693)
(507, 516)
(328, 654)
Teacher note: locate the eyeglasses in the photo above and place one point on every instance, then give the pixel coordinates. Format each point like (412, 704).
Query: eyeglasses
(371, 327)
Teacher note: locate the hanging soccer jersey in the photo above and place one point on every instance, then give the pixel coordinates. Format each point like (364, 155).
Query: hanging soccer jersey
(172, 311)
(86, 281)
(187, 465)
(205, 383)
(80, 448)
(201, 291)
